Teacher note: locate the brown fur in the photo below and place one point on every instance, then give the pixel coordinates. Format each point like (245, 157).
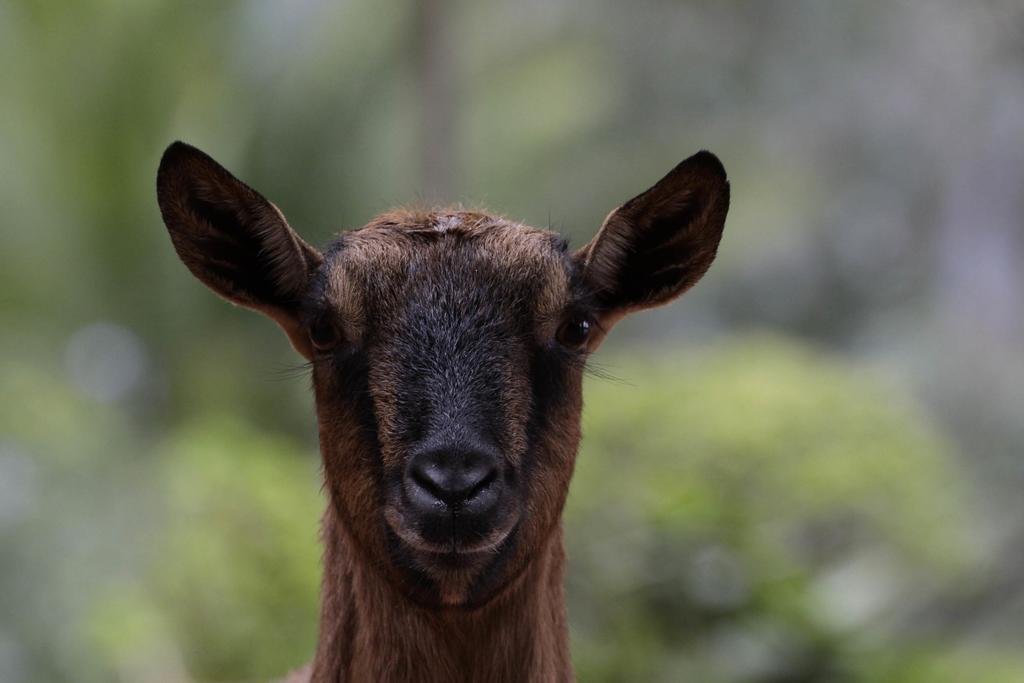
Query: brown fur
(370, 632)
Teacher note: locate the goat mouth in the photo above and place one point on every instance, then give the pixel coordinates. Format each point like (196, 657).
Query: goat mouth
(458, 546)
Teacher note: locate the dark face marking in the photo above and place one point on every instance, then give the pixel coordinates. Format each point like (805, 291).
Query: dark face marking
(447, 368)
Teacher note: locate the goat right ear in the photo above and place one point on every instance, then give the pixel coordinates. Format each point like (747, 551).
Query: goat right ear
(235, 241)
(658, 244)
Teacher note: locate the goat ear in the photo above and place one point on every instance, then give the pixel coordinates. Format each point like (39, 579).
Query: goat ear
(658, 244)
(235, 241)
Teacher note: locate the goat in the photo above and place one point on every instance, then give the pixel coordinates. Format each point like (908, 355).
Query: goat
(447, 351)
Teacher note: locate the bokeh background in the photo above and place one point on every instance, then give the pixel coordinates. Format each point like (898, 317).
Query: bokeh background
(809, 469)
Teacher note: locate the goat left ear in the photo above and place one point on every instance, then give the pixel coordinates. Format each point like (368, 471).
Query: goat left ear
(234, 240)
(658, 244)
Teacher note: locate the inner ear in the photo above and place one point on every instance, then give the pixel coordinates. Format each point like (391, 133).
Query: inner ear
(660, 243)
(234, 240)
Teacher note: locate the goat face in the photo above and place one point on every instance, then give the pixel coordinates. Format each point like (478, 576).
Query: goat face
(447, 351)
(448, 354)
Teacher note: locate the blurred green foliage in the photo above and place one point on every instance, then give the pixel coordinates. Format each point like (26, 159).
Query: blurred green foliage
(750, 513)
(233, 574)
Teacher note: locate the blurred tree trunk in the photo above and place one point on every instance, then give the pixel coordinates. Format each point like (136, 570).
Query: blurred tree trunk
(436, 83)
(981, 244)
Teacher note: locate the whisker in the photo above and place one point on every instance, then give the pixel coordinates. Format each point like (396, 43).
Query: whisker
(601, 372)
(289, 372)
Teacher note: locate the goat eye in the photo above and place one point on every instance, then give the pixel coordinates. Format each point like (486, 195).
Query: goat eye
(323, 334)
(574, 331)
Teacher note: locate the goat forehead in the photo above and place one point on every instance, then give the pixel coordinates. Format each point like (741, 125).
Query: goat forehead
(459, 256)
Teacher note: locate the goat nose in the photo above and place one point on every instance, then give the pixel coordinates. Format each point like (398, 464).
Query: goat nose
(453, 475)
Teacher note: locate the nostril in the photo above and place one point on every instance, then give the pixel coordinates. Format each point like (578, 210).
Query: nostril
(429, 478)
(489, 476)
(451, 477)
